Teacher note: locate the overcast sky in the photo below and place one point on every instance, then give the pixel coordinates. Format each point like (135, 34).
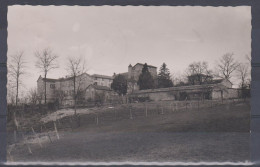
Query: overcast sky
(110, 38)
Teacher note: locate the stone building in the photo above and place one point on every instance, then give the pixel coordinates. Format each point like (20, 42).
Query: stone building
(100, 94)
(64, 87)
(198, 79)
(133, 74)
(102, 80)
(217, 89)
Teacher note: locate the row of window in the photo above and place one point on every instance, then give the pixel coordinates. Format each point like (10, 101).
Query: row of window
(52, 86)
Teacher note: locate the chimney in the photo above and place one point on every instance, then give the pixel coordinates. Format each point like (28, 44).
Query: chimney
(129, 71)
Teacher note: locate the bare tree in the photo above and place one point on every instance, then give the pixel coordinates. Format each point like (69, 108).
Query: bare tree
(16, 71)
(243, 74)
(226, 66)
(248, 58)
(46, 61)
(199, 72)
(10, 93)
(60, 95)
(179, 79)
(76, 67)
(33, 97)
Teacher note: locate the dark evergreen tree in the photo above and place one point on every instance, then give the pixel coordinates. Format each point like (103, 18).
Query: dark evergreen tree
(164, 78)
(119, 84)
(146, 80)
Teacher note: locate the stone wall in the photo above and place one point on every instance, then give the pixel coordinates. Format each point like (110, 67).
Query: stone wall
(193, 92)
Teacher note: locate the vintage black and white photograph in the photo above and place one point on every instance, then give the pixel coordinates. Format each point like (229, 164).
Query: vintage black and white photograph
(128, 84)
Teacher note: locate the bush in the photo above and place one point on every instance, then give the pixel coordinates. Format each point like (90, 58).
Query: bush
(139, 99)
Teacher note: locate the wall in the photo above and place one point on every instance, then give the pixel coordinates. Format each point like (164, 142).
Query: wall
(49, 90)
(191, 92)
(137, 70)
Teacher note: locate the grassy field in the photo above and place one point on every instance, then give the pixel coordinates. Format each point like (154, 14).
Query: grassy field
(220, 133)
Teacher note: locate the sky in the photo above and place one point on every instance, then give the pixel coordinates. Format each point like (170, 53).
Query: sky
(112, 37)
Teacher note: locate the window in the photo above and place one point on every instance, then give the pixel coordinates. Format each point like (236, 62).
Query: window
(52, 86)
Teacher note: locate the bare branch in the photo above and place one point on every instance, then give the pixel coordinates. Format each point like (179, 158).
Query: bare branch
(16, 69)
(46, 61)
(226, 66)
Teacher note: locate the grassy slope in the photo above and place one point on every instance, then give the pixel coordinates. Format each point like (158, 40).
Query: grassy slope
(214, 134)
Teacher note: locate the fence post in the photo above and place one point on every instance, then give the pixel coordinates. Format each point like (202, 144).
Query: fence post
(131, 116)
(198, 105)
(36, 136)
(27, 145)
(97, 119)
(115, 113)
(162, 110)
(10, 156)
(78, 119)
(56, 131)
(146, 109)
(48, 133)
(58, 121)
(15, 139)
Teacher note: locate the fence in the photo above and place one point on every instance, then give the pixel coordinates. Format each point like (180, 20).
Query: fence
(104, 115)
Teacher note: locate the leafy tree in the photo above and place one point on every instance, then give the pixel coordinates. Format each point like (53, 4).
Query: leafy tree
(164, 78)
(146, 80)
(119, 84)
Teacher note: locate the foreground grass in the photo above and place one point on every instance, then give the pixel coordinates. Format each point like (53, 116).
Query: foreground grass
(220, 133)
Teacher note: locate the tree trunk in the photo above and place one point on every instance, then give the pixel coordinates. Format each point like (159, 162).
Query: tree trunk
(17, 90)
(45, 88)
(74, 84)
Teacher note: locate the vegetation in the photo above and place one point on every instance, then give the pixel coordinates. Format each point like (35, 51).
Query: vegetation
(164, 77)
(226, 66)
(119, 84)
(46, 61)
(75, 68)
(146, 81)
(16, 71)
(199, 73)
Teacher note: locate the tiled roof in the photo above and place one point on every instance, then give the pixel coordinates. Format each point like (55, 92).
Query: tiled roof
(143, 64)
(98, 87)
(102, 76)
(49, 79)
(215, 81)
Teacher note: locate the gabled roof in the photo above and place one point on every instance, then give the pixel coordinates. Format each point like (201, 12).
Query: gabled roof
(102, 76)
(60, 79)
(125, 74)
(47, 79)
(204, 75)
(215, 81)
(143, 65)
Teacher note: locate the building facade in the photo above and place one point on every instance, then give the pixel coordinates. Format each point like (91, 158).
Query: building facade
(133, 73)
(98, 87)
(217, 89)
(62, 89)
